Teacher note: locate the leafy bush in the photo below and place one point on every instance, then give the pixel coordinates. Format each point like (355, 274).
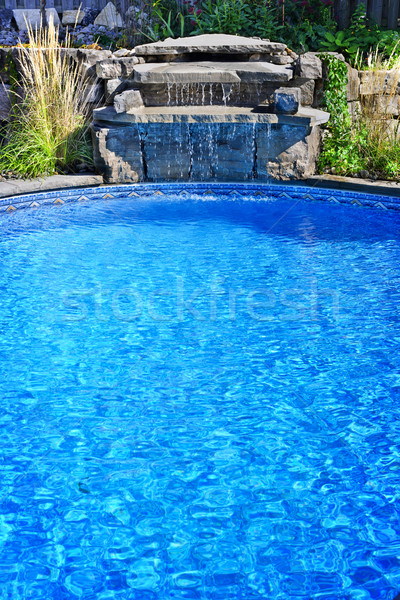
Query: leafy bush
(290, 22)
(49, 130)
(362, 35)
(368, 143)
(340, 148)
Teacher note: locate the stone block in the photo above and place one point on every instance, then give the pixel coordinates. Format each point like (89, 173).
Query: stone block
(287, 100)
(307, 88)
(379, 82)
(113, 87)
(280, 60)
(31, 16)
(123, 53)
(89, 58)
(353, 84)
(5, 102)
(309, 66)
(109, 17)
(212, 72)
(382, 105)
(214, 145)
(114, 68)
(117, 153)
(94, 93)
(73, 17)
(287, 152)
(128, 101)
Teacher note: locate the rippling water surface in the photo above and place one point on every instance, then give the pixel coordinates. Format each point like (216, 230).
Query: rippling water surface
(199, 400)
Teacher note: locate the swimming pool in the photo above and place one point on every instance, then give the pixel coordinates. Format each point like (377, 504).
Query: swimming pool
(200, 399)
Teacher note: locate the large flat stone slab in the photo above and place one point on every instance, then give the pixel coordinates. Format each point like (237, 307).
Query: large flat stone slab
(209, 114)
(210, 43)
(211, 72)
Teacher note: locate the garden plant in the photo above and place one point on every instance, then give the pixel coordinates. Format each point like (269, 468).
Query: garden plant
(49, 129)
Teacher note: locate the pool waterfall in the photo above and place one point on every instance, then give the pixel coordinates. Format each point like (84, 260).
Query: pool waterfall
(211, 108)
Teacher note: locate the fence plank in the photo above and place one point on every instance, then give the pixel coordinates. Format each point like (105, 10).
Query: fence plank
(393, 14)
(388, 9)
(375, 11)
(342, 13)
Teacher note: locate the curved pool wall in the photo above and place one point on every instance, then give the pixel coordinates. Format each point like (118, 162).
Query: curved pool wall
(257, 190)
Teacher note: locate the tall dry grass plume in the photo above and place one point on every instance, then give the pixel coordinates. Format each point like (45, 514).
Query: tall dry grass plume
(380, 106)
(49, 130)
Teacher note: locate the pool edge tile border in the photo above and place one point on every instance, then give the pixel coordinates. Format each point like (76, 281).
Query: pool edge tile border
(272, 191)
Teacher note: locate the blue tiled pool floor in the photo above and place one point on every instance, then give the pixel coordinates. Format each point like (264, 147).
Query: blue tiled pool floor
(199, 399)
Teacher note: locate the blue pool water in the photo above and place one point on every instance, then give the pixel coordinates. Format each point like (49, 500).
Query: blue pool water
(199, 400)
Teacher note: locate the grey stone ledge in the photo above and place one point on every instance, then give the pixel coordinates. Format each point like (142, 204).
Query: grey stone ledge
(15, 187)
(211, 72)
(213, 43)
(209, 114)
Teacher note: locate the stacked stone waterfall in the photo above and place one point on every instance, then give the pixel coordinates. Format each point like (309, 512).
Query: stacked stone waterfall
(208, 108)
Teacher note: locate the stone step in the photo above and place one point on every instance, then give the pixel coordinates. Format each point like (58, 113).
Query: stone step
(209, 114)
(211, 72)
(213, 43)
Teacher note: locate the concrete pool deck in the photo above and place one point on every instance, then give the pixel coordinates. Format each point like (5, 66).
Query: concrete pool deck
(18, 187)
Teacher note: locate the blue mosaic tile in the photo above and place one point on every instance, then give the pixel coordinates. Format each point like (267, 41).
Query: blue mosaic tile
(235, 190)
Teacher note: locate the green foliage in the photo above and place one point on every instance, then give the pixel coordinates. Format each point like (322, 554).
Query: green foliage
(340, 147)
(360, 37)
(306, 23)
(106, 42)
(49, 128)
(364, 143)
(31, 151)
(301, 29)
(235, 17)
(168, 20)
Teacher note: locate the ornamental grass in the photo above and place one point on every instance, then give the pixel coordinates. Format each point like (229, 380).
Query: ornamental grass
(49, 130)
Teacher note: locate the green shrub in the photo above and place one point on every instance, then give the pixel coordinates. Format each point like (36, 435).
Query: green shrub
(370, 141)
(362, 35)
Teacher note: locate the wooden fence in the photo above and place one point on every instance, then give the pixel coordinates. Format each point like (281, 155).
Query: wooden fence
(384, 12)
(59, 5)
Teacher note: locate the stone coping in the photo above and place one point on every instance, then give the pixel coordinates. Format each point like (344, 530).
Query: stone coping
(266, 191)
(209, 114)
(211, 72)
(211, 43)
(15, 187)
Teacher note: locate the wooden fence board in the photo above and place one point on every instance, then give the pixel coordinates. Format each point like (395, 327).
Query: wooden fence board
(375, 10)
(392, 14)
(385, 12)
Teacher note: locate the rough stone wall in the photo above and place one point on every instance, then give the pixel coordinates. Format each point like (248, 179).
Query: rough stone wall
(108, 75)
(205, 151)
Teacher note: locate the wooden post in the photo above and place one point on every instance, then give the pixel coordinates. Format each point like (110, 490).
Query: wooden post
(393, 14)
(43, 17)
(375, 11)
(342, 13)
